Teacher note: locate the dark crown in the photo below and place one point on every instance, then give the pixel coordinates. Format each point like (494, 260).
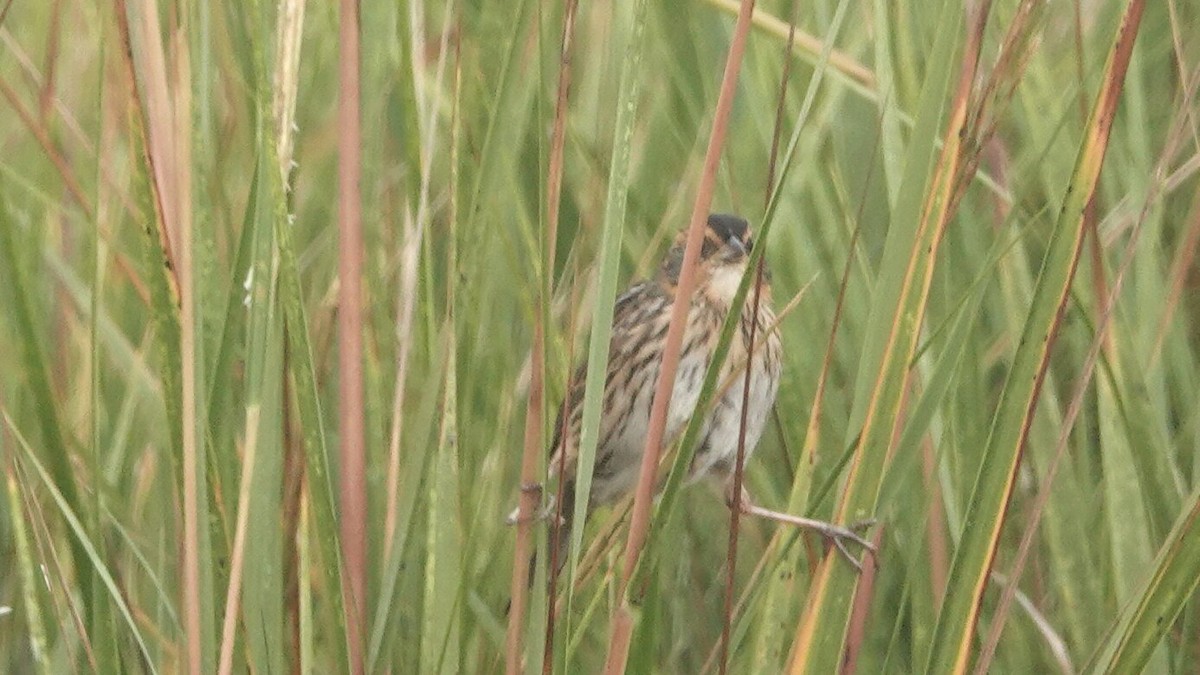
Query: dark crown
(725, 226)
(721, 228)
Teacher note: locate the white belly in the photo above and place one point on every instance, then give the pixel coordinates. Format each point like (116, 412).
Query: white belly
(717, 452)
(628, 444)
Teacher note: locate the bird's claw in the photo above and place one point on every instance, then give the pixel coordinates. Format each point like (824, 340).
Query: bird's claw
(839, 535)
(544, 513)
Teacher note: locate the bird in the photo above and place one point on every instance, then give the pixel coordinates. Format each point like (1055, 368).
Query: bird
(639, 329)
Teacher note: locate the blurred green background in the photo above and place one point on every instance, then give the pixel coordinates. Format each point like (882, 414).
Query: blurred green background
(457, 108)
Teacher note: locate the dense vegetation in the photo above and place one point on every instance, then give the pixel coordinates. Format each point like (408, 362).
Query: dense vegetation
(992, 332)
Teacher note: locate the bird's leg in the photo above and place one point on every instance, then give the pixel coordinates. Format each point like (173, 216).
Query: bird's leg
(837, 534)
(541, 514)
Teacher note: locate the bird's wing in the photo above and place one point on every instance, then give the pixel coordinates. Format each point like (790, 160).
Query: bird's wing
(633, 314)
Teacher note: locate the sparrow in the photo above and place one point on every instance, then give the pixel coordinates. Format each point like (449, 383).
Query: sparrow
(639, 330)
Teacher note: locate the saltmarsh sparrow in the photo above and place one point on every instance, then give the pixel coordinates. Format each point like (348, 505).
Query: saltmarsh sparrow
(639, 331)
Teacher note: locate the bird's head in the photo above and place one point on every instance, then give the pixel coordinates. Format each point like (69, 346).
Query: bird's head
(723, 257)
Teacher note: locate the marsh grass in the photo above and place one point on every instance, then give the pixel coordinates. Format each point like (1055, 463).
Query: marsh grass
(985, 214)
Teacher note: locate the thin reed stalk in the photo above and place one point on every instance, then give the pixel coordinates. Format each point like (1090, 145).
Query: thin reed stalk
(618, 649)
(352, 444)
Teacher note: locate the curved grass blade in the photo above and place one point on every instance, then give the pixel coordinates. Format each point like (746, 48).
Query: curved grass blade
(27, 570)
(80, 536)
(1143, 624)
(816, 51)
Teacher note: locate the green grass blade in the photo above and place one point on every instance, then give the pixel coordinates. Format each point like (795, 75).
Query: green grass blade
(79, 534)
(303, 376)
(28, 571)
(897, 309)
(1143, 623)
(457, 114)
(440, 649)
(607, 268)
(37, 367)
(988, 505)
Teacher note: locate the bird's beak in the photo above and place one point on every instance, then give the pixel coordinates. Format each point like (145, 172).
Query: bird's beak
(738, 246)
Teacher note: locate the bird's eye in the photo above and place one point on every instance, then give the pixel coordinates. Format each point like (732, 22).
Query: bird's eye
(749, 244)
